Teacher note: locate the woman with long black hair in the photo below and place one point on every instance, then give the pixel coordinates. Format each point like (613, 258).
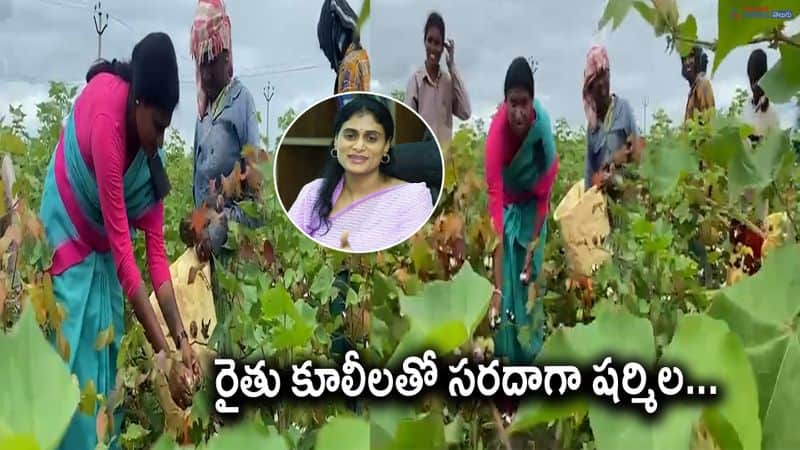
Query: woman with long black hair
(521, 169)
(355, 204)
(105, 178)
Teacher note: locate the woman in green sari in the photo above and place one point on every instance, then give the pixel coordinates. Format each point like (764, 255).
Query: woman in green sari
(521, 168)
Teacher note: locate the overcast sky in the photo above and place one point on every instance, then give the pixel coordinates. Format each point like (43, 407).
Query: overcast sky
(276, 41)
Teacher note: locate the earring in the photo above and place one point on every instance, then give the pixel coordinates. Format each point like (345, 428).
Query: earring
(386, 158)
(334, 153)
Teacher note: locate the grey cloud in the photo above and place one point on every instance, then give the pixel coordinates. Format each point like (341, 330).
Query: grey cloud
(276, 41)
(489, 34)
(55, 40)
(5, 9)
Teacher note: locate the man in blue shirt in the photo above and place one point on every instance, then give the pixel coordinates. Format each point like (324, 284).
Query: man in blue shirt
(611, 127)
(226, 121)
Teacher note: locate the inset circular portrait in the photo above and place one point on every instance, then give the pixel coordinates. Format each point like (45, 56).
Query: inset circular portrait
(359, 172)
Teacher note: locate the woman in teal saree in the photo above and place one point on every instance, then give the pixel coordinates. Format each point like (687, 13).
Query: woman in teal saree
(521, 168)
(106, 178)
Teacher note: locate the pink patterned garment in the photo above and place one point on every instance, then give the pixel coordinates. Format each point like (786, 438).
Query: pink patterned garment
(100, 129)
(375, 222)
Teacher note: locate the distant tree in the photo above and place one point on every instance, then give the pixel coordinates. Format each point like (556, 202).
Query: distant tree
(284, 121)
(661, 124)
(398, 94)
(480, 126)
(737, 104)
(562, 130)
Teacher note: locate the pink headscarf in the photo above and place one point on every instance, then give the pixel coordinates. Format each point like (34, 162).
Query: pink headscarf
(210, 35)
(596, 60)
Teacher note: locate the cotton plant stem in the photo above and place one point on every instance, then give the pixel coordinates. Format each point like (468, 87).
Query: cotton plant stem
(501, 431)
(776, 36)
(788, 210)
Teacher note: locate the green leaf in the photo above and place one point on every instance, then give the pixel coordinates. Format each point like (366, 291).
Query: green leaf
(88, 399)
(249, 208)
(532, 413)
(384, 419)
(687, 30)
(19, 442)
(454, 431)
(289, 277)
(666, 14)
(421, 254)
(165, 443)
(246, 436)
(413, 285)
(379, 336)
(356, 278)
(343, 433)
(249, 294)
(424, 433)
(710, 352)
(665, 163)
(38, 374)
(763, 311)
(5, 431)
(11, 143)
(201, 405)
(641, 227)
(322, 283)
(782, 81)
(227, 281)
(747, 168)
(383, 288)
(615, 11)
(3, 204)
(697, 338)
(445, 315)
(772, 156)
(588, 344)
(736, 31)
(134, 433)
(625, 429)
(647, 13)
(276, 302)
(450, 176)
(299, 332)
(723, 145)
(352, 297)
(363, 15)
(397, 427)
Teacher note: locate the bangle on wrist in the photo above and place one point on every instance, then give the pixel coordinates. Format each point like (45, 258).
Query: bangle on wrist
(179, 339)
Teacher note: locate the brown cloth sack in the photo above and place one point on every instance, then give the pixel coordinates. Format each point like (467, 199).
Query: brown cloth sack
(583, 220)
(195, 303)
